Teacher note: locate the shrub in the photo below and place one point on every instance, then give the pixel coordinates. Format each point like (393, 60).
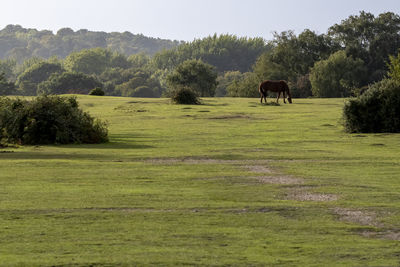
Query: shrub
(377, 110)
(48, 120)
(97, 91)
(185, 95)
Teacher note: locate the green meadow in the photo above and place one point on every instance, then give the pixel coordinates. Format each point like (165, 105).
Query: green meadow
(228, 182)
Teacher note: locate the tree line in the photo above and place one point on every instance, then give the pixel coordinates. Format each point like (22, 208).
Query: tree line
(20, 43)
(339, 63)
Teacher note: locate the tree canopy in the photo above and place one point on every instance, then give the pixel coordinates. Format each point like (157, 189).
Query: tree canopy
(196, 75)
(351, 55)
(21, 43)
(225, 52)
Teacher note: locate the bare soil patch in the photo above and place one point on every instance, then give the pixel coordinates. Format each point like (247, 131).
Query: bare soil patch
(300, 194)
(280, 179)
(204, 161)
(258, 169)
(367, 218)
(390, 235)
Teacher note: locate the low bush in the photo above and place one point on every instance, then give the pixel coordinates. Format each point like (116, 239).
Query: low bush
(48, 120)
(377, 110)
(97, 91)
(185, 95)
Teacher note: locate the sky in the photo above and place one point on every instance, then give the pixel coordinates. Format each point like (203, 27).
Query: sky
(188, 19)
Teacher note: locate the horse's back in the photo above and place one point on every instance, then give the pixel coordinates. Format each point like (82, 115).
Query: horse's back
(273, 86)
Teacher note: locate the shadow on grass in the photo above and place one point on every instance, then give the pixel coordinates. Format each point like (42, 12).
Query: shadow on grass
(270, 104)
(75, 151)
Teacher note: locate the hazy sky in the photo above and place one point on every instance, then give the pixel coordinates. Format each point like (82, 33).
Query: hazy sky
(187, 19)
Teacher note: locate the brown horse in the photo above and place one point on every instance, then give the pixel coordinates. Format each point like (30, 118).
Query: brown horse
(277, 87)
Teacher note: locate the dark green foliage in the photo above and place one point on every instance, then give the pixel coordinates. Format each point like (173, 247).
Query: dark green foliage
(133, 82)
(375, 111)
(394, 67)
(95, 61)
(244, 86)
(35, 74)
(48, 120)
(8, 67)
(69, 83)
(337, 76)
(195, 74)
(225, 52)
(6, 88)
(144, 91)
(292, 56)
(226, 79)
(185, 95)
(20, 43)
(97, 91)
(371, 39)
(301, 88)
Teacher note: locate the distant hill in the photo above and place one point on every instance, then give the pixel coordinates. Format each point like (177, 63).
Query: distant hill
(21, 43)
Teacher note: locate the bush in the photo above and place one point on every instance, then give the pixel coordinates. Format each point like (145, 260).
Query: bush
(377, 110)
(48, 120)
(185, 95)
(97, 91)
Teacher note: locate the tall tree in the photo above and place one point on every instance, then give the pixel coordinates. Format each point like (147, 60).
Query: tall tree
(195, 74)
(6, 88)
(292, 57)
(371, 39)
(337, 75)
(225, 52)
(35, 74)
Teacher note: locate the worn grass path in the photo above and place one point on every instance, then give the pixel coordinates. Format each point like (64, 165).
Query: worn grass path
(230, 182)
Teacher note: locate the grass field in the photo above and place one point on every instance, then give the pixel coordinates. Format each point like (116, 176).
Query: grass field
(229, 182)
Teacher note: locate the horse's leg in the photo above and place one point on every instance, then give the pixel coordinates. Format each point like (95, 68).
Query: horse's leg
(277, 99)
(284, 96)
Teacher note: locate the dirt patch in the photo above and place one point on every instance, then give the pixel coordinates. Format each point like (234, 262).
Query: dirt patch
(281, 179)
(204, 161)
(390, 235)
(302, 195)
(258, 169)
(163, 161)
(367, 218)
